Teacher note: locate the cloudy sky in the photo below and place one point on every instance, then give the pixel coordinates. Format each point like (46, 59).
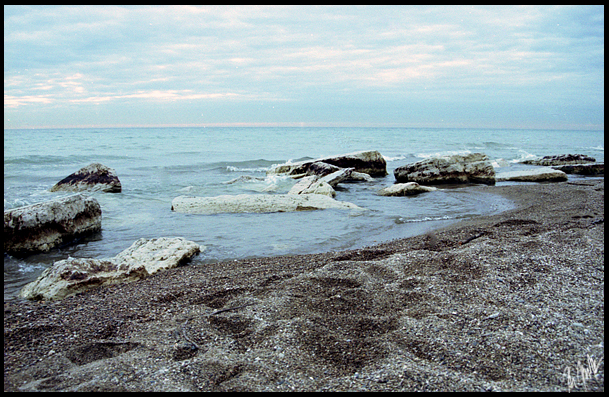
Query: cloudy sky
(447, 66)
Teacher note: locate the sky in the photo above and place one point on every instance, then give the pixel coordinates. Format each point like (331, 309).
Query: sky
(428, 66)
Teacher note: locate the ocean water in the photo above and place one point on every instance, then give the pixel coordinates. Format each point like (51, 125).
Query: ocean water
(156, 165)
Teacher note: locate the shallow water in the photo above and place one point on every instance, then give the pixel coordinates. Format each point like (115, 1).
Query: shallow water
(157, 164)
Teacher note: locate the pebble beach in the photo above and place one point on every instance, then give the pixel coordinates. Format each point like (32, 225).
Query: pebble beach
(507, 302)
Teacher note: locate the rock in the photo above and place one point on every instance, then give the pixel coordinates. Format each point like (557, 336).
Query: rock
(320, 168)
(405, 189)
(561, 159)
(40, 227)
(582, 169)
(312, 185)
(336, 177)
(471, 168)
(144, 258)
(543, 174)
(369, 162)
(93, 177)
(360, 177)
(257, 203)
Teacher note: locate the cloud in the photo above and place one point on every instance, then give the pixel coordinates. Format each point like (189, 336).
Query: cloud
(308, 56)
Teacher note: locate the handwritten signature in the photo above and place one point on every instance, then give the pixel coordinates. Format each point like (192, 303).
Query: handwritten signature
(582, 373)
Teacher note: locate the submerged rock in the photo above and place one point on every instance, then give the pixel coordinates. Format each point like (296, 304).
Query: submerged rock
(93, 177)
(369, 162)
(257, 203)
(43, 226)
(471, 168)
(145, 257)
(561, 159)
(543, 174)
(405, 189)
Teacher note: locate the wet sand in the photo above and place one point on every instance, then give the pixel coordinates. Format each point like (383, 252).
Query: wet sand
(509, 302)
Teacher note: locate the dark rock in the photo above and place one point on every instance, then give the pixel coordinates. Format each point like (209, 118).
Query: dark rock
(369, 162)
(582, 169)
(92, 177)
(320, 169)
(561, 159)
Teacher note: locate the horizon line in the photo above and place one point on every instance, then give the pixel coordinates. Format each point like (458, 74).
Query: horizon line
(570, 127)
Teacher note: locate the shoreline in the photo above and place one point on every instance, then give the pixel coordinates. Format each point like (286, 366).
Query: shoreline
(500, 302)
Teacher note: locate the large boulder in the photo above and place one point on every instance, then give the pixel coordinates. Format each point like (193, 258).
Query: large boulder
(542, 174)
(471, 168)
(369, 162)
(405, 189)
(582, 169)
(93, 177)
(40, 227)
(144, 257)
(257, 203)
(561, 159)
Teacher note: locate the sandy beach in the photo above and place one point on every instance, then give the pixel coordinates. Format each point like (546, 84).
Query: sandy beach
(509, 302)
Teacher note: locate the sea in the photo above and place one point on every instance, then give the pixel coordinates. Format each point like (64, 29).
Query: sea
(155, 165)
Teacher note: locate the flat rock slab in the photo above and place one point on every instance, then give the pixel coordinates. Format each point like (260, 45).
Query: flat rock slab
(144, 258)
(543, 174)
(94, 177)
(259, 203)
(43, 226)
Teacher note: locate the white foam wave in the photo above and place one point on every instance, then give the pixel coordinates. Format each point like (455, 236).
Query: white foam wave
(498, 163)
(396, 158)
(424, 219)
(444, 153)
(524, 155)
(232, 168)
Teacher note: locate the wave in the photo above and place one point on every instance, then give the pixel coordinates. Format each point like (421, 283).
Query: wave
(396, 158)
(496, 145)
(35, 159)
(444, 153)
(524, 155)
(259, 165)
(269, 183)
(424, 219)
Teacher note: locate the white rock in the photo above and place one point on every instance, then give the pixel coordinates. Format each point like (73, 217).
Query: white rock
(360, 177)
(540, 174)
(40, 227)
(144, 257)
(312, 185)
(336, 177)
(471, 168)
(405, 189)
(257, 203)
